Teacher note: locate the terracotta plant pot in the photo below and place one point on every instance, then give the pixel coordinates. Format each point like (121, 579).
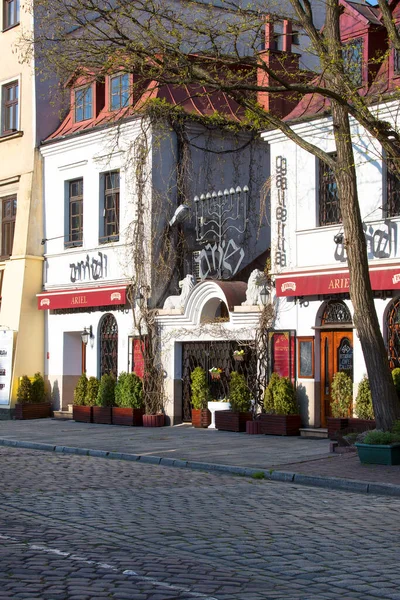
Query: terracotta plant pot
(201, 417)
(127, 416)
(82, 414)
(215, 375)
(239, 357)
(102, 415)
(153, 420)
(336, 424)
(228, 420)
(280, 424)
(27, 410)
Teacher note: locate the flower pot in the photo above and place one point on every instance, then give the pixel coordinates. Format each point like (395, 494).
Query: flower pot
(82, 414)
(127, 416)
(360, 425)
(336, 424)
(238, 357)
(253, 427)
(214, 406)
(153, 420)
(376, 454)
(280, 424)
(27, 410)
(215, 375)
(229, 420)
(201, 417)
(102, 415)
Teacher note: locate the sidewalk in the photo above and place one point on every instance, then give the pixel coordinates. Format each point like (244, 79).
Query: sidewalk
(297, 460)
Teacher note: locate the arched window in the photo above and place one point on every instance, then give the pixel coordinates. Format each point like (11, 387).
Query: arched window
(393, 333)
(109, 346)
(336, 311)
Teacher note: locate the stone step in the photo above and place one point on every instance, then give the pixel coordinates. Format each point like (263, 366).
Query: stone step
(314, 432)
(62, 414)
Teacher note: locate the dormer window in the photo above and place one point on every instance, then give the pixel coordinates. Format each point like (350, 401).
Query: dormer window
(119, 91)
(83, 104)
(352, 53)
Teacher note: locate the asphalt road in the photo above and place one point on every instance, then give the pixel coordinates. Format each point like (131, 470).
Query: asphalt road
(87, 528)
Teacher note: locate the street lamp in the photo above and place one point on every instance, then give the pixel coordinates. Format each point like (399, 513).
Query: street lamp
(86, 335)
(264, 293)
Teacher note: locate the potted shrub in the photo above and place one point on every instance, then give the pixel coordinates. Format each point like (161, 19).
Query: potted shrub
(364, 409)
(240, 404)
(342, 396)
(380, 447)
(32, 398)
(281, 415)
(102, 411)
(128, 409)
(215, 372)
(201, 416)
(81, 412)
(396, 380)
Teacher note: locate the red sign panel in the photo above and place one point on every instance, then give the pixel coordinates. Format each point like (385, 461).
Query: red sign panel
(82, 298)
(311, 284)
(283, 357)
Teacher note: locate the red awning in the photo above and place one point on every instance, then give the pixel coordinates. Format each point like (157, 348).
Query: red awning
(313, 283)
(81, 298)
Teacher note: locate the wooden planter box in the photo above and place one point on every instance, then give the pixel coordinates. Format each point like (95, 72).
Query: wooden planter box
(280, 424)
(153, 420)
(374, 454)
(82, 414)
(127, 416)
(201, 417)
(228, 420)
(361, 425)
(102, 415)
(253, 427)
(336, 424)
(25, 410)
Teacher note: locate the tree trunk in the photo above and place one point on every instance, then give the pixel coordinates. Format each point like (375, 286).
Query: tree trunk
(384, 396)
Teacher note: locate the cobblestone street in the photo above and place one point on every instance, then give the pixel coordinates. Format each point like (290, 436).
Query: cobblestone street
(87, 528)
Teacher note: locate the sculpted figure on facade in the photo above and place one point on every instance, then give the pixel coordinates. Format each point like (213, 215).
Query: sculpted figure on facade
(186, 285)
(256, 279)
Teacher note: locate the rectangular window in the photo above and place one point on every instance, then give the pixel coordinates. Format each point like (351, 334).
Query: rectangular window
(352, 53)
(305, 357)
(8, 216)
(392, 207)
(9, 99)
(75, 210)
(119, 91)
(10, 13)
(110, 231)
(83, 104)
(329, 210)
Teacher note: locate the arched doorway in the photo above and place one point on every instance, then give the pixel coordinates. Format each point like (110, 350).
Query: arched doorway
(393, 333)
(336, 350)
(108, 346)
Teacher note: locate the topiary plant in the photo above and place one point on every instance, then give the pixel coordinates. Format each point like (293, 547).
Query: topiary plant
(239, 393)
(80, 390)
(129, 391)
(38, 392)
(106, 393)
(342, 395)
(92, 391)
(364, 407)
(396, 379)
(24, 392)
(284, 394)
(200, 390)
(269, 394)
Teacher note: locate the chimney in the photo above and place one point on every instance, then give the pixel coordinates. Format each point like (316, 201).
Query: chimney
(287, 36)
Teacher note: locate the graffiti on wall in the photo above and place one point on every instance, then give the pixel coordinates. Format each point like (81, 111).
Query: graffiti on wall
(281, 211)
(220, 259)
(89, 269)
(381, 242)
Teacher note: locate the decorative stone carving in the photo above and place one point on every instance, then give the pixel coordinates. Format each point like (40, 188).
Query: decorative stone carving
(186, 285)
(256, 280)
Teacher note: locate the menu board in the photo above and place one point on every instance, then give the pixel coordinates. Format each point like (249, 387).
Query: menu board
(6, 351)
(283, 354)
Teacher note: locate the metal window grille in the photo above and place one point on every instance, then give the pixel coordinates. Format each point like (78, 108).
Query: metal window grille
(336, 312)
(109, 346)
(393, 334)
(329, 209)
(392, 207)
(8, 216)
(111, 207)
(75, 202)
(10, 94)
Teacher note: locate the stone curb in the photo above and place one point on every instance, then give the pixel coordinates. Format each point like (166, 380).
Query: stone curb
(333, 483)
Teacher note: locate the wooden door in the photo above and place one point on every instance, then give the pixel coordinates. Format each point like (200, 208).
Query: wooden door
(336, 355)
